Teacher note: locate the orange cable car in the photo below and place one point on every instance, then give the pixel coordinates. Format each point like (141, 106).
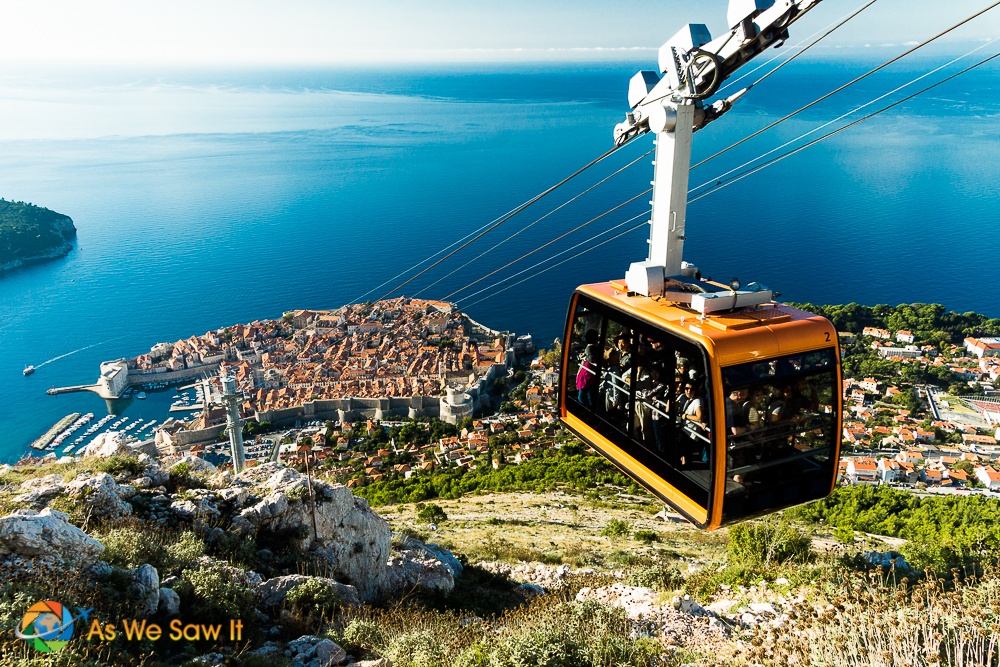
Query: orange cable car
(720, 401)
(723, 417)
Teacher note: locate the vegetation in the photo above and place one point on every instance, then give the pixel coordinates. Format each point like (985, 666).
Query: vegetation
(315, 599)
(567, 467)
(27, 231)
(929, 323)
(616, 529)
(133, 544)
(431, 514)
(549, 632)
(941, 531)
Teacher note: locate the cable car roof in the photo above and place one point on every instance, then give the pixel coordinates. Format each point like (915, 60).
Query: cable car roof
(761, 332)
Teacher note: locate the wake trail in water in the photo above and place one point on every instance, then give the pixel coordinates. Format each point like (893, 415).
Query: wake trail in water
(87, 347)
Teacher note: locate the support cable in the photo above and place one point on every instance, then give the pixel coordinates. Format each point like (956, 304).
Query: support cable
(849, 83)
(558, 254)
(532, 224)
(718, 179)
(814, 43)
(504, 218)
(545, 245)
(781, 157)
(568, 259)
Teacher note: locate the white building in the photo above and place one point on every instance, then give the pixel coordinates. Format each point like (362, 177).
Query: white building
(989, 477)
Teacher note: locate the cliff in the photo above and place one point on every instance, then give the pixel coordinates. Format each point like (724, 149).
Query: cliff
(30, 233)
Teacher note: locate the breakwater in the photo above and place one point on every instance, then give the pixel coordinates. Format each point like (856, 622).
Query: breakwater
(59, 427)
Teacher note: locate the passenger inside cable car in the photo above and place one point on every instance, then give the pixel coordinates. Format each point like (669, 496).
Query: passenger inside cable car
(649, 392)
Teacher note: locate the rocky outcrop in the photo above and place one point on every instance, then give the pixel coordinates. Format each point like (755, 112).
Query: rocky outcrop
(169, 602)
(312, 651)
(534, 575)
(419, 565)
(47, 534)
(145, 590)
(351, 538)
(271, 594)
(194, 465)
(100, 497)
(105, 445)
(41, 490)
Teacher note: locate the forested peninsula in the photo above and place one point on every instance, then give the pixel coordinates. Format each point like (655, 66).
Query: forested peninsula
(30, 233)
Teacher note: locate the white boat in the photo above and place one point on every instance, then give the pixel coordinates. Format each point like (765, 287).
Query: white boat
(141, 395)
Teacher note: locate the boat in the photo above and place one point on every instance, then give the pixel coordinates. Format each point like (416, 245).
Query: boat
(28, 370)
(141, 395)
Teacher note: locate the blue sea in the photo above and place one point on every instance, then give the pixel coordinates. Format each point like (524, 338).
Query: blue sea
(204, 199)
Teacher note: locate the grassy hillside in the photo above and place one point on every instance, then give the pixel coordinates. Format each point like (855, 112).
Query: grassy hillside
(786, 590)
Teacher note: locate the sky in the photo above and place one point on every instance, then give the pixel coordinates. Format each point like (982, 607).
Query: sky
(293, 33)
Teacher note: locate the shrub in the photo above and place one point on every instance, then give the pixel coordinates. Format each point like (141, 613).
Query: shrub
(314, 597)
(616, 529)
(647, 536)
(419, 648)
(431, 514)
(212, 593)
(119, 464)
(768, 542)
(185, 551)
(659, 577)
(130, 546)
(844, 534)
(548, 647)
(363, 636)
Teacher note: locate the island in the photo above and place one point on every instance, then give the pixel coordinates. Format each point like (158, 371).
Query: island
(30, 233)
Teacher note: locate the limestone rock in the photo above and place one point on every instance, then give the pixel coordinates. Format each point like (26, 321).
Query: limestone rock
(195, 465)
(47, 534)
(312, 651)
(41, 490)
(169, 602)
(154, 471)
(100, 496)
(236, 497)
(198, 505)
(422, 565)
(537, 574)
(272, 592)
(412, 569)
(107, 444)
(350, 537)
(445, 557)
(145, 589)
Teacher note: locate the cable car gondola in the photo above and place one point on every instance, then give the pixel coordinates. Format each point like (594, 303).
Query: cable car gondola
(722, 416)
(720, 401)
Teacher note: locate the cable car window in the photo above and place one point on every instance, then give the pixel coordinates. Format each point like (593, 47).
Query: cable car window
(781, 416)
(646, 391)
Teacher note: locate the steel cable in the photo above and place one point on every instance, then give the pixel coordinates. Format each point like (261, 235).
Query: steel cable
(504, 218)
(846, 85)
(537, 220)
